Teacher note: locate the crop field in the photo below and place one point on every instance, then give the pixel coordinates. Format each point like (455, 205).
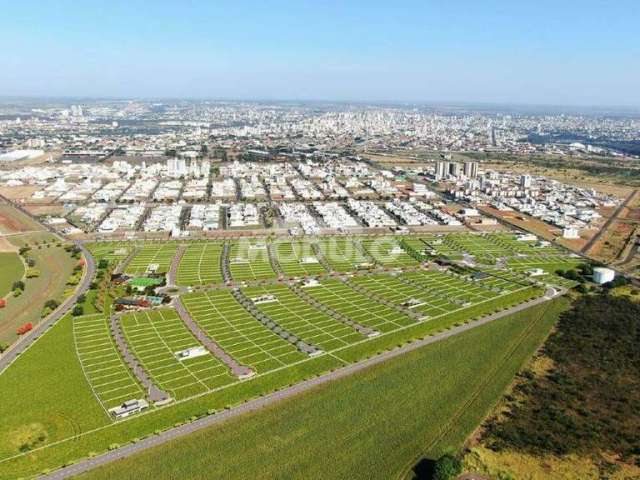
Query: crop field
(200, 264)
(388, 252)
(155, 337)
(238, 332)
(249, 260)
(111, 380)
(297, 259)
(160, 254)
(11, 269)
(358, 307)
(303, 320)
(343, 255)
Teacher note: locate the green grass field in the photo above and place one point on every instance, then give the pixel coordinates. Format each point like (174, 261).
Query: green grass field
(11, 270)
(238, 333)
(381, 301)
(45, 395)
(249, 260)
(358, 307)
(158, 254)
(373, 425)
(200, 264)
(55, 267)
(110, 378)
(297, 259)
(114, 252)
(386, 251)
(303, 320)
(155, 337)
(342, 254)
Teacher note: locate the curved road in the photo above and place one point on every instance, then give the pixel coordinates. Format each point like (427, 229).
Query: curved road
(26, 340)
(258, 403)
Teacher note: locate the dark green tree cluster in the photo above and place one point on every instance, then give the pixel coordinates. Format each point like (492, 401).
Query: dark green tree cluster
(589, 403)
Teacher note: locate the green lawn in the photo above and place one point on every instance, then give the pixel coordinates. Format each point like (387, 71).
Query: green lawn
(159, 255)
(155, 337)
(200, 264)
(45, 396)
(11, 269)
(373, 425)
(382, 302)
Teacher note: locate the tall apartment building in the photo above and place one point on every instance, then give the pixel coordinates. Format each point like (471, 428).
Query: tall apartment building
(471, 169)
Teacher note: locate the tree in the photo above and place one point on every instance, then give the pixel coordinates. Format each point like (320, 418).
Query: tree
(447, 467)
(81, 298)
(51, 304)
(103, 263)
(18, 285)
(77, 311)
(581, 288)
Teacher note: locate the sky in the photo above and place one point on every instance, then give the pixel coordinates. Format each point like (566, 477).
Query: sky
(562, 52)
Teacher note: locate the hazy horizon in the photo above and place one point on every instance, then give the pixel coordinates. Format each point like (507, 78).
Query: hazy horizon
(576, 54)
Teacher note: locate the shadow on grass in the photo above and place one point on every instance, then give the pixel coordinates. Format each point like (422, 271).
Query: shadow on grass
(424, 469)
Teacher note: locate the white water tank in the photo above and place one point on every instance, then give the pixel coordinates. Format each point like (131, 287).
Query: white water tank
(603, 275)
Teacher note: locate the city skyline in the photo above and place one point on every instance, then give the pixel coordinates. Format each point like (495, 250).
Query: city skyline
(495, 53)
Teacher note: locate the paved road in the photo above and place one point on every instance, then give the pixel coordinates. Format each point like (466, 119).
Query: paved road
(153, 391)
(259, 403)
(240, 371)
(608, 223)
(27, 339)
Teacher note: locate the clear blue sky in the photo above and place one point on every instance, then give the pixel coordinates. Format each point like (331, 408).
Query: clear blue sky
(563, 52)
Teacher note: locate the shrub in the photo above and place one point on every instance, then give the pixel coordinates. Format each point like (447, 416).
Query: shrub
(447, 467)
(51, 304)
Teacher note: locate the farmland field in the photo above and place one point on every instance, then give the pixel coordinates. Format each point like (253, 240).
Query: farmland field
(397, 417)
